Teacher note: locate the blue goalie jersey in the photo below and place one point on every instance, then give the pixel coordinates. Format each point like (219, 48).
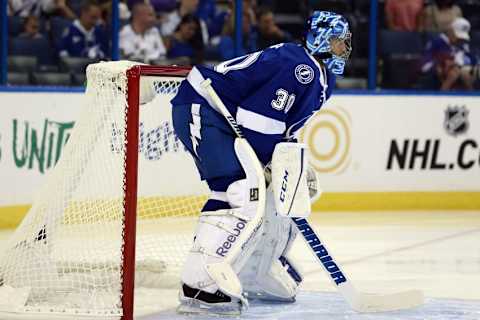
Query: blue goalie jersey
(271, 93)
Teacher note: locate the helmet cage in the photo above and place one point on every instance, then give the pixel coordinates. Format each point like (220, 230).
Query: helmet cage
(347, 40)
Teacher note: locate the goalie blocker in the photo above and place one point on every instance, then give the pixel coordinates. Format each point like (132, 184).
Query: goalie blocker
(289, 180)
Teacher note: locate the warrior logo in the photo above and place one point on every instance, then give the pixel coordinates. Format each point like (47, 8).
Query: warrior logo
(456, 120)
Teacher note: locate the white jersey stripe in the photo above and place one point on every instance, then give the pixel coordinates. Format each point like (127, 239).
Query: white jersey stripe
(259, 123)
(218, 195)
(195, 78)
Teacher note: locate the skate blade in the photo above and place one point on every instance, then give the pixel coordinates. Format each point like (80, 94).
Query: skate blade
(193, 306)
(268, 298)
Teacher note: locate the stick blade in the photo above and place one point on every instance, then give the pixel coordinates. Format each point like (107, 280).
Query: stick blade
(389, 302)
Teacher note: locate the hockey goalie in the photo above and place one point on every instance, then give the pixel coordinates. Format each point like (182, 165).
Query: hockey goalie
(244, 233)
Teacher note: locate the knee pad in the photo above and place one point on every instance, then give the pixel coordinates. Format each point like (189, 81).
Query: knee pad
(236, 193)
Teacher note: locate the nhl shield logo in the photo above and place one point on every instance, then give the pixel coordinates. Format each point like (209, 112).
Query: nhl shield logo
(456, 120)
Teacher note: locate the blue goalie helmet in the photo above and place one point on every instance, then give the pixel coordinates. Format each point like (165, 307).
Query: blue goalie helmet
(323, 28)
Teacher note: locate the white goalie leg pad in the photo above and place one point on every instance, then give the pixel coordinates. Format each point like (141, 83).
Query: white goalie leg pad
(272, 284)
(268, 273)
(225, 239)
(289, 180)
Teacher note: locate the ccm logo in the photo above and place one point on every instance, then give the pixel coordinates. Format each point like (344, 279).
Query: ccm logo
(283, 190)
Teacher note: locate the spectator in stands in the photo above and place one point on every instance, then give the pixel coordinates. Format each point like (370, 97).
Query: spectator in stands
(25, 8)
(268, 31)
(298, 7)
(172, 20)
(106, 6)
(226, 46)
(85, 37)
(124, 11)
(438, 16)
(448, 63)
(211, 20)
(163, 5)
(140, 40)
(187, 41)
(403, 15)
(158, 5)
(62, 9)
(215, 19)
(31, 27)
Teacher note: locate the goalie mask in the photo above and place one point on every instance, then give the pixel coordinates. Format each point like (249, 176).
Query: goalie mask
(326, 30)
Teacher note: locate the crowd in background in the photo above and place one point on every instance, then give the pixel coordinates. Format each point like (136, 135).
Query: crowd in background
(436, 42)
(448, 60)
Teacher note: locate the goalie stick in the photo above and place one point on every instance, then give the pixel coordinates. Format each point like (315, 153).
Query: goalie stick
(361, 302)
(358, 301)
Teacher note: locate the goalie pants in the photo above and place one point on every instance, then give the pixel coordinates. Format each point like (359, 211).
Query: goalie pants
(210, 141)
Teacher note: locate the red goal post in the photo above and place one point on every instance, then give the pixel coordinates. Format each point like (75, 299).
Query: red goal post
(131, 168)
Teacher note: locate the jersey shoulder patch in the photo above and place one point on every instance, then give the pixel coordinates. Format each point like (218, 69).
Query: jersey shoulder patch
(304, 73)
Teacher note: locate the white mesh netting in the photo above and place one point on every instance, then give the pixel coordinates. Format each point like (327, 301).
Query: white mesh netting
(65, 258)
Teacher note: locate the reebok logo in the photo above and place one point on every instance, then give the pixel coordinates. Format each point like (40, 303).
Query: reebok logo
(225, 247)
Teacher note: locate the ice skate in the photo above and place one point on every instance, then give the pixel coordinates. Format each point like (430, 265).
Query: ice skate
(196, 301)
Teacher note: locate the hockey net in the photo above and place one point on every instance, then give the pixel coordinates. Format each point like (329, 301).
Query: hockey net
(74, 253)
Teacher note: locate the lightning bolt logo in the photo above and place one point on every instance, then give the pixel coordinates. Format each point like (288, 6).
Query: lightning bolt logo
(195, 127)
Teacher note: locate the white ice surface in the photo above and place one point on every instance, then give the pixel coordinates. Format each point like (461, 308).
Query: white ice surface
(330, 306)
(381, 252)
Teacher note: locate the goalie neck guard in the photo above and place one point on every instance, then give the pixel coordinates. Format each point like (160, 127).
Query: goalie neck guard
(323, 27)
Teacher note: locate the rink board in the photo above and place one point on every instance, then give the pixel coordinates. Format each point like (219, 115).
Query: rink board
(372, 152)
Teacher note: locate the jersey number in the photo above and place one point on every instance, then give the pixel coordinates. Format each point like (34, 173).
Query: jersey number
(284, 100)
(238, 63)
